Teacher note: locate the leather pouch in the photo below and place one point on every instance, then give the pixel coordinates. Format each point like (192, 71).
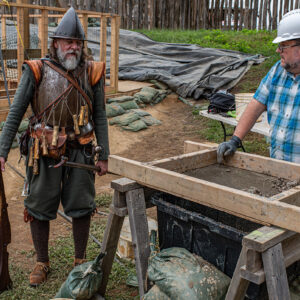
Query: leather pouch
(53, 151)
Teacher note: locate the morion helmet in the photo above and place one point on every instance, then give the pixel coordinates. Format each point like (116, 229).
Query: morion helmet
(69, 27)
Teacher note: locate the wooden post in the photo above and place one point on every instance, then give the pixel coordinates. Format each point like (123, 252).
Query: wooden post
(238, 285)
(103, 37)
(20, 41)
(277, 284)
(84, 21)
(236, 14)
(111, 238)
(3, 36)
(140, 238)
(114, 56)
(44, 32)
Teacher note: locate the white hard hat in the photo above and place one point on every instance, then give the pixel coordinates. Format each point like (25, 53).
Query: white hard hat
(289, 27)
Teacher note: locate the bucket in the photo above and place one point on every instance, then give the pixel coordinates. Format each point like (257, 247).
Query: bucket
(241, 102)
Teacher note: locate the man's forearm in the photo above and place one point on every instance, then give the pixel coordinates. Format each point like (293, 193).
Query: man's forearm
(249, 117)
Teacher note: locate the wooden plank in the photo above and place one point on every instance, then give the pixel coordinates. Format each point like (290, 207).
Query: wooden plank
(124, 185)
(260, 14)
(257, 163)
(13, 53)
(140, 238)
(257, 277)
(265, 14)
(190, 146)
(246, 14)
(103, 37)
(44, 33)
(238, 285)
(236, 14)
(265, 165)
(84, 22)
(265, 238)
(110, 240)
(20, 41)
(3, 36)
(254, 16)
(277, 283)
(253, 260)
(114, 56)
(188, 161)
(11, 92)
(274, 17)
(236, 202)
(50, 8)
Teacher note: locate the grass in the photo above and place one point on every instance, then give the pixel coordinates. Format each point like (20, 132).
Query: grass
(61, 257)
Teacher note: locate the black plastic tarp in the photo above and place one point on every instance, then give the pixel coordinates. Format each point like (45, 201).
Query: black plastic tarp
(189, 70)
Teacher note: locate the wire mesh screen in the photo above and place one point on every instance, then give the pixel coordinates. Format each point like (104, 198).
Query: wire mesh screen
(9, 42)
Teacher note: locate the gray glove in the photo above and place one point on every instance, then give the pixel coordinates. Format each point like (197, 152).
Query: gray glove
(228, 148)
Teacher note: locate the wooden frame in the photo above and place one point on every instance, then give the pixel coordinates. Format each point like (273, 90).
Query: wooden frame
(282, 210)
(22, 20)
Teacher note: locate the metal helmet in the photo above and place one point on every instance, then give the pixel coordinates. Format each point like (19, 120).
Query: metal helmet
(289, 27)
(69, 27)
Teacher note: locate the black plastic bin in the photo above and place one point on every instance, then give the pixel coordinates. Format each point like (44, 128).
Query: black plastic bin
(214, 235)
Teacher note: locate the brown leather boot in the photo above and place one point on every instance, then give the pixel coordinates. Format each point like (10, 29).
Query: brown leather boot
(39, 274)
(79, 261)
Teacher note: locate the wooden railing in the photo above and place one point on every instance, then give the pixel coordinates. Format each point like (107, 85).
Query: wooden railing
(23, 32)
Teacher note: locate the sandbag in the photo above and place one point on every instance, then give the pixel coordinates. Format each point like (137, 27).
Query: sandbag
(125, 119)
(146, 95)
(180, 274)
(113, 110)
(119, 99)
(135, 126)
(149, 120)
(141, 112)
(83, 281)
(129, 105)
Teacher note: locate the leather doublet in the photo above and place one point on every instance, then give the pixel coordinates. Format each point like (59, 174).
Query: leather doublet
(51, 86)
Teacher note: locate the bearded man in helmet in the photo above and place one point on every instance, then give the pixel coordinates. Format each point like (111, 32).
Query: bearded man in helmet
(279, 95)
(66, 93)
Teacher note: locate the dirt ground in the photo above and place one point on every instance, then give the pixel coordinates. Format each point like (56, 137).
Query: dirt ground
(156, 142)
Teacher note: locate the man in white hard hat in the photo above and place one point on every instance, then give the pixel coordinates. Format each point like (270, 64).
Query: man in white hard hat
(279, 95)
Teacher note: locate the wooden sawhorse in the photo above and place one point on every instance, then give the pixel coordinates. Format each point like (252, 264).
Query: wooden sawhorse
(265, 255)
(128, 199)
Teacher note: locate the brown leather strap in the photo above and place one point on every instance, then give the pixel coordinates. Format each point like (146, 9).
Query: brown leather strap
(72, 81)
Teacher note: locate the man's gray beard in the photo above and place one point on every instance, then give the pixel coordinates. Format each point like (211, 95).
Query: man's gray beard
(70, 63)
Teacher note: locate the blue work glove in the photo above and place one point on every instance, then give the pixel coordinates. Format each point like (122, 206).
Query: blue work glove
(228, 148)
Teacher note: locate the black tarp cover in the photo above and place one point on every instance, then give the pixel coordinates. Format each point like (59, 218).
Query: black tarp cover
(189, 70)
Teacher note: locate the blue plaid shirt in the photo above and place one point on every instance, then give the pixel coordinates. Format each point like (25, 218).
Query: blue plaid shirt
(280, 92)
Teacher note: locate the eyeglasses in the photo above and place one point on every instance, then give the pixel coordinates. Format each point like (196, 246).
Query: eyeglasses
(281, 48)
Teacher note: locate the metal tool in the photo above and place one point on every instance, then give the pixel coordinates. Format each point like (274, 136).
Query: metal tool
(64, 162)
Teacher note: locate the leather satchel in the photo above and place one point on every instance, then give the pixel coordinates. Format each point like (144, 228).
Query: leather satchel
(53, 151)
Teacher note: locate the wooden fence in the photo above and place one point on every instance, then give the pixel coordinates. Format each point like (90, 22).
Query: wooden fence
(207, 14)
(187, 14)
